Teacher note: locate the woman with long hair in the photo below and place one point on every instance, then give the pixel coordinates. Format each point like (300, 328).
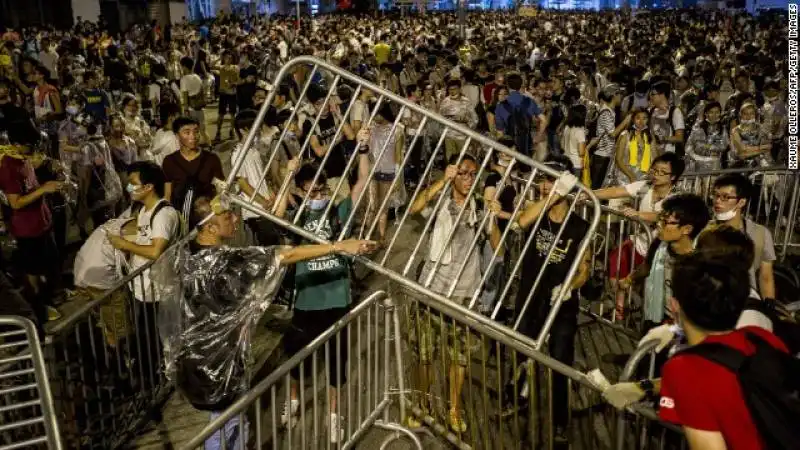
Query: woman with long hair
(636, 149)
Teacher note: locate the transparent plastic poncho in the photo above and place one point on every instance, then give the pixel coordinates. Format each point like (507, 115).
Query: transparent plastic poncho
(210, 304)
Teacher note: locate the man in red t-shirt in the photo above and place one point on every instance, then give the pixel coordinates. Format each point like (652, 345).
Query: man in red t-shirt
(701, 396)
(30, 224)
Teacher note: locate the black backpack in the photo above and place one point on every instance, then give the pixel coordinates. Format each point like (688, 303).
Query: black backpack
(770, 381)
(167, 94)
(518, 126)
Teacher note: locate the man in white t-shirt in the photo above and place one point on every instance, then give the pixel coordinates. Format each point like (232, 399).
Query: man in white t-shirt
(650, 194)
(157, 222)
(192, 95)
(250, 174)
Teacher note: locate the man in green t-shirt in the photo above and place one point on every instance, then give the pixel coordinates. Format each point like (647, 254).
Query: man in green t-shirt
(322, 285)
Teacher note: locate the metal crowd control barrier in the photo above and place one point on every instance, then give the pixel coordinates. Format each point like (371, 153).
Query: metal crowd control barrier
(348, 371)
(320, 146)
(502, 384)
(104, 361)
(614, 256)
(27, 416)
(774, 204)
(646, 430)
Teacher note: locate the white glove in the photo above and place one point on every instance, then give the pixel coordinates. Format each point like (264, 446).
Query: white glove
(564, 184)
(622, 395)
(664, 334)
(554, 294)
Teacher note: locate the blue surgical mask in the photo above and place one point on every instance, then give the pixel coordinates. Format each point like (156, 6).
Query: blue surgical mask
(72, 110)
(318, 204)
(131, 188)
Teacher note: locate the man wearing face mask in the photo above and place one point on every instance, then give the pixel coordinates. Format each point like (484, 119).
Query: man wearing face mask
(323, 284)
(157, 221)
(731, 194)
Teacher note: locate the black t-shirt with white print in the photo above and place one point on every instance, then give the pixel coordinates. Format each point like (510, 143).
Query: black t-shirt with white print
(556, 271)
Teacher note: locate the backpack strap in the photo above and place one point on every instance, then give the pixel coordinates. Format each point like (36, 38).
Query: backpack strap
(720, 354)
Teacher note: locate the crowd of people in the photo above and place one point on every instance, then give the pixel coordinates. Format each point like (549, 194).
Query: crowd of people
(107, 134)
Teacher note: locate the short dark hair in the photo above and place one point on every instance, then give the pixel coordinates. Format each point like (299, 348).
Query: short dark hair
(728, 243)
(183, 121)
(307, 172)
(688, 209)
(467, 157)
(743, 186)
(187, 62)
(245, 119)
(662, 87)
(712, 292)
(675, 162)
(150, 173)
(514, 81)
(167, 110)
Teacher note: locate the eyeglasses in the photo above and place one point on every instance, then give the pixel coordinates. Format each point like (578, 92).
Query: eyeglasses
(723, 197)
(468, 175)
(664, 220)
(659, 172)
(318, 191)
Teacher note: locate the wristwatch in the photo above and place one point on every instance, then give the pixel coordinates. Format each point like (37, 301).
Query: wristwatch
(648, 388)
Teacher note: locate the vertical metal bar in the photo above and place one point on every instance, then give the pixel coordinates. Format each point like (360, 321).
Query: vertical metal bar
(314, 395)
(274, 407)
(258, 419)
(302, 389)
(349, 384)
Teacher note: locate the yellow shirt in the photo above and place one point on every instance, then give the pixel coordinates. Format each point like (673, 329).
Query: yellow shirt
(382, 51)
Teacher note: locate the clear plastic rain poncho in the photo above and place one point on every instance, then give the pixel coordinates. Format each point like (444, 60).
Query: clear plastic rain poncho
(210, 304)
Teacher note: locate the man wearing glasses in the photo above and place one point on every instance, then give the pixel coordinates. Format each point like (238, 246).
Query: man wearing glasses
(650, 194)
(730, 197)
(452, 268)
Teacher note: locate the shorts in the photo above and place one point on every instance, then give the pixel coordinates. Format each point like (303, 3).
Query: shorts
(37, 255)
(307, 326)
(619, 261)
(384, 177)
(431, 331)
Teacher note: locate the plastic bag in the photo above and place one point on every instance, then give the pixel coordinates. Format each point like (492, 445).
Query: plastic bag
(211, 302)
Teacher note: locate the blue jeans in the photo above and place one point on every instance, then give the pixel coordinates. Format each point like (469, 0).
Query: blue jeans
(234, 437)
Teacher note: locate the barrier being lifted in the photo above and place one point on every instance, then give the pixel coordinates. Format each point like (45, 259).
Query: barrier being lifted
(473, 365)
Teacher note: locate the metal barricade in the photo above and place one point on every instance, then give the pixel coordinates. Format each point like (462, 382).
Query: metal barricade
(639, 426)
(499, 385)
(104, 361)
(408, 241)
(349, 370)
(618, 246)
(774, 204)
(27, 416)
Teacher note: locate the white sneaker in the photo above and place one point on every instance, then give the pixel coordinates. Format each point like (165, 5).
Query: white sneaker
(337, 431)
(290, 411)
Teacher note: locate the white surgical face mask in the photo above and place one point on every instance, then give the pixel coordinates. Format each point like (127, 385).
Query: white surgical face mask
(318, 204)
(725, 216)
(72, 110)
(748, 121)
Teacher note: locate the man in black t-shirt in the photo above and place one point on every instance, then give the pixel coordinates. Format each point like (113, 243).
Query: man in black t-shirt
(533, 307)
